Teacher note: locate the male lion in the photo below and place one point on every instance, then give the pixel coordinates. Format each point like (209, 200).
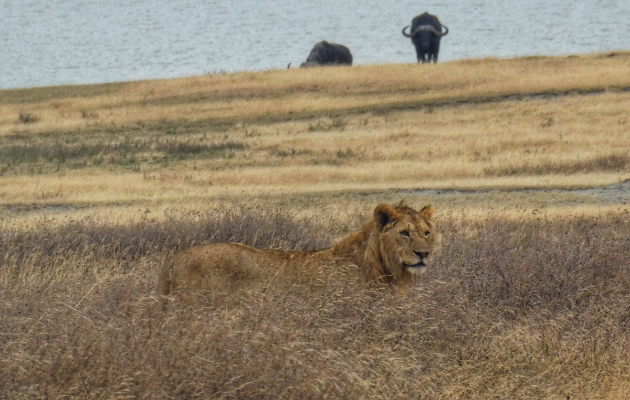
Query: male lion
(397, 243)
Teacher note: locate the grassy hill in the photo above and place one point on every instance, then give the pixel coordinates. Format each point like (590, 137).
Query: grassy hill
(535, 122)
(526, 161)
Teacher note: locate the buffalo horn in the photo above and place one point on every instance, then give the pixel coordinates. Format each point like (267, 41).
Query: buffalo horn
(422, 28)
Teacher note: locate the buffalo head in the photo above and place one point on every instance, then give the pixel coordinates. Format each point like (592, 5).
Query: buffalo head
(426, 33)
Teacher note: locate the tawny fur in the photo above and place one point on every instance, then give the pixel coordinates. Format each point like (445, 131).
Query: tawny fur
(395, 244)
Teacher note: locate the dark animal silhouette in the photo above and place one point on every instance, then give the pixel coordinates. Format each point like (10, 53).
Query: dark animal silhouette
(325, 53)
(426, 33)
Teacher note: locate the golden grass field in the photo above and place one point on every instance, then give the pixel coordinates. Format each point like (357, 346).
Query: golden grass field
(535, 122)
(526, 160)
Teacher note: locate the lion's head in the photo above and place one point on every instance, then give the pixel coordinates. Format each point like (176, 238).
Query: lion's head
(402, 242)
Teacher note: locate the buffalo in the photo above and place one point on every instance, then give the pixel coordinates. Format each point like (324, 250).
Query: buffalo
(325, 53)
(426, 33)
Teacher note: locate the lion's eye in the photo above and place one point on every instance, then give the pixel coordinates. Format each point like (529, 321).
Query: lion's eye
(427, 233)
(404, 234)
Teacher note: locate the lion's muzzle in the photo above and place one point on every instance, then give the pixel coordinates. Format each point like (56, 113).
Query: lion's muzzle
(420, 266)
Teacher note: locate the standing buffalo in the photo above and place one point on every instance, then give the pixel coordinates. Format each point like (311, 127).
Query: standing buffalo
(325, 53)
(426, 32)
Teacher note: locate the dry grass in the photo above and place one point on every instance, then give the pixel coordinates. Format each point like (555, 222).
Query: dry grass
(529, 297)
(274, 94)
(477, 124)
(527, 308)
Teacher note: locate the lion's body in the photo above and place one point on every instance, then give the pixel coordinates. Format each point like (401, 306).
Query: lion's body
(231, 265)
(391, 247)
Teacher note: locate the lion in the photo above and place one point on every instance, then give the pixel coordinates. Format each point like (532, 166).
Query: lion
(392, 247)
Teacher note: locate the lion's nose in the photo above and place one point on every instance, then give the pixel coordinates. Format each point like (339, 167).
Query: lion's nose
(421, 254)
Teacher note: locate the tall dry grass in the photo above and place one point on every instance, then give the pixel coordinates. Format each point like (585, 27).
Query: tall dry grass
(521, 303)
(533, 308)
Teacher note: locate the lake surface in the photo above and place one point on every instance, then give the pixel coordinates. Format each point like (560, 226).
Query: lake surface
(55, 42)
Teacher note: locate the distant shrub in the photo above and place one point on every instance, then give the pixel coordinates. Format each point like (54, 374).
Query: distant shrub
(28, 118)
(192, 148)
(325, 125)
(89, 114)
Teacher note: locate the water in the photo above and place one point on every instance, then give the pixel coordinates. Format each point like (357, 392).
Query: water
(55, 42)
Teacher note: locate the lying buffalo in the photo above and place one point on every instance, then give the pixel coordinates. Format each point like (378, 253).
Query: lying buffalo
(325, 53)
(426, 33)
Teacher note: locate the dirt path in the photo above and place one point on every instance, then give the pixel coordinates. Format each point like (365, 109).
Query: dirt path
(615, 193)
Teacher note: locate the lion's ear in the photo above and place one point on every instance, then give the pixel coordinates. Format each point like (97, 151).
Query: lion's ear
(384, 214)
(427, 212)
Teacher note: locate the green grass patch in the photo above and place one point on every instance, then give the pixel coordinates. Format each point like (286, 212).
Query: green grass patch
(604, 163)
(128, 151)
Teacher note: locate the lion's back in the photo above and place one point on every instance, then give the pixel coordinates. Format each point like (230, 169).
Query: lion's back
(197, 267)
(221, 265)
